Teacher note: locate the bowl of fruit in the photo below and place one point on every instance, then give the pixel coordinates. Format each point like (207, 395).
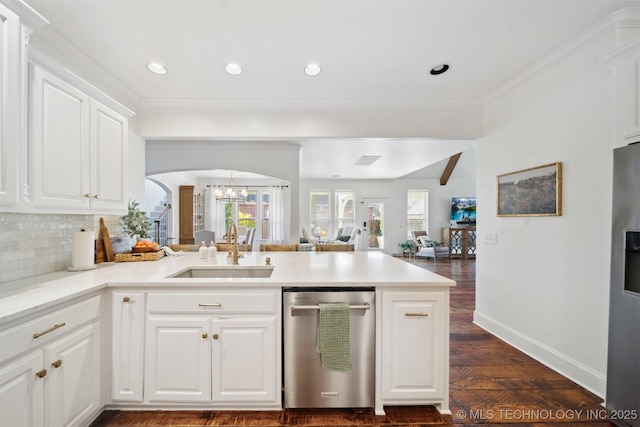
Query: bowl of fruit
(145, 245)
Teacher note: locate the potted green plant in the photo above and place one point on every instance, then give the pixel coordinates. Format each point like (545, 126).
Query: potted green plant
(136, 222)
(407, 246)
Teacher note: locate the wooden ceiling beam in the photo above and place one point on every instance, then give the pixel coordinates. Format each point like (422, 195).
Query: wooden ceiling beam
(448, 170)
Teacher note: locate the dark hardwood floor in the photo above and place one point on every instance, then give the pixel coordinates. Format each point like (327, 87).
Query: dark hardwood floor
(490, 383)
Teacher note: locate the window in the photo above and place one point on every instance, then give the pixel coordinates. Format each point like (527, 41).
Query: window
(325, 219)
(265, 215)
(249, 213)
(247, 210)
(319, 212)
(344, 210)
(417, 209)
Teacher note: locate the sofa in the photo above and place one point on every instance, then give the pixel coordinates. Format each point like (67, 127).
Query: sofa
(347, 235)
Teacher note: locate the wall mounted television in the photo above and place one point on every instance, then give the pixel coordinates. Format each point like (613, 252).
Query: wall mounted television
(463, 210)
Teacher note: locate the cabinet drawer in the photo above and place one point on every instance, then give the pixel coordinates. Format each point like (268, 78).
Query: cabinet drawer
(37, 331)
(213, 302)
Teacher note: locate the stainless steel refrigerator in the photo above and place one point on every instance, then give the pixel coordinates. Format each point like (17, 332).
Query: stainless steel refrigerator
(623, 364)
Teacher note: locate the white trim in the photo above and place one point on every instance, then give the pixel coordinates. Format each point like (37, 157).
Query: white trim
(78, 82)
(341, 103)
(582, 375)
(28, 16)
(626, 18)
(51, 43)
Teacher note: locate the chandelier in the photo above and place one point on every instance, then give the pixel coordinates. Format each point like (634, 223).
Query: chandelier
(230, 193)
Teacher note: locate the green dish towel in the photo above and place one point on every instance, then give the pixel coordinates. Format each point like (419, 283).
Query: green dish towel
(332, 337)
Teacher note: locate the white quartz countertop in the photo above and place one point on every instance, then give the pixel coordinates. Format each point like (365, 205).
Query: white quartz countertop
(302, 269)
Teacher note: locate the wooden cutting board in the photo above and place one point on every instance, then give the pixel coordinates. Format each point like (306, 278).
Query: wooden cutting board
(106, 241)
(119, 245)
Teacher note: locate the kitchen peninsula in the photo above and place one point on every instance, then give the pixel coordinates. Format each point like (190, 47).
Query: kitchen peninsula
(130, 335)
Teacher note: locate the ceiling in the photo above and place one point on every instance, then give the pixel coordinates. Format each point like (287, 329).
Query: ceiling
(370, 51)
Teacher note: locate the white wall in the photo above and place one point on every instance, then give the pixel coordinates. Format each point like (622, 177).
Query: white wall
(395, 191)
(544, 286)
(135, 165)
(309, 119)
(281, 161)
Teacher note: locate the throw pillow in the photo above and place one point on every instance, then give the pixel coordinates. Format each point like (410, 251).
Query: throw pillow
(344, 238)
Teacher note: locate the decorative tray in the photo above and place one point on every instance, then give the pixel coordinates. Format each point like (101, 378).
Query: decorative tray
(145, 249)
(140, 256)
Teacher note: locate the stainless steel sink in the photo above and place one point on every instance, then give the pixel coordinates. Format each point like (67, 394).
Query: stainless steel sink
(223, 272)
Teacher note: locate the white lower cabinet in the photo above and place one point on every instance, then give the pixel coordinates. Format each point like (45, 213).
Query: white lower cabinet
(127, 345)
(56, 382)
(22, 391)
(221, 348)
(178, 366)
(73, 379)
(245, 357)
(414, 348)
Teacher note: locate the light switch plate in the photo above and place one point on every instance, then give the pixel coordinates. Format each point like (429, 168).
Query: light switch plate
(491, 238)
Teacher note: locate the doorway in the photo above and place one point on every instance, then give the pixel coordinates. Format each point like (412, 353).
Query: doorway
(374, 215)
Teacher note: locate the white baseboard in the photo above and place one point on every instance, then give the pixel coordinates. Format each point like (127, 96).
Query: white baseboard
(576, 372)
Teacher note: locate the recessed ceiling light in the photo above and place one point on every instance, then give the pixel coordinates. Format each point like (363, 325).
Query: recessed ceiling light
(439, 69)
(312, 69)
(154, 67)
(233, 69)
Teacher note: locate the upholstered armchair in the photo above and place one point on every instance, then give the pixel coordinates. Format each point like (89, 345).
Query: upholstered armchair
(426, 247)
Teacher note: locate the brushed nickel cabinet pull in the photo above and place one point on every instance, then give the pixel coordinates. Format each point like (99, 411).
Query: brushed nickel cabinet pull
(57, 363)
(51, 329)
(205, 336)
(417, 314)
(207, 304)
(41, 374)
(363, 306)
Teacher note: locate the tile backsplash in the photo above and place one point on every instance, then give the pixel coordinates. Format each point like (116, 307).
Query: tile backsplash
(33, 244)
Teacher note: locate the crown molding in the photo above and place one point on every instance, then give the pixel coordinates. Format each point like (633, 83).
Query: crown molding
(628, 18)
(69, 76)
(51, 43)
(299, 103)
(28, 16)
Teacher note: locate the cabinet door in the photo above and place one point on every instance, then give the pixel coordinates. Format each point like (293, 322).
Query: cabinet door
(10, 107)
(73, 383)
(178, 359)
(22, 391)
(186, 215)
(244, 361)
(108, 136)
(127, 346)
(59, 141)
(414, 346)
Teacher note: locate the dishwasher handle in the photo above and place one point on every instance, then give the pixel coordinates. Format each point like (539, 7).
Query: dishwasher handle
(364, 306)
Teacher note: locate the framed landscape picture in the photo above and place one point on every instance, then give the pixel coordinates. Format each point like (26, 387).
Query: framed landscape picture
(531, 192)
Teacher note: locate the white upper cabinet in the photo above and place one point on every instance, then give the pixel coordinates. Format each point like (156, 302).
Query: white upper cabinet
(108, 149)
(77, 147)
(10, 98)
(58, 142)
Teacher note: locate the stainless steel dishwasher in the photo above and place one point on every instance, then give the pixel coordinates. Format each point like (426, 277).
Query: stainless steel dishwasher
(306, 383)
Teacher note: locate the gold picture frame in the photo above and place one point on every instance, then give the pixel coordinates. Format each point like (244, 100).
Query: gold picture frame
(535, 191)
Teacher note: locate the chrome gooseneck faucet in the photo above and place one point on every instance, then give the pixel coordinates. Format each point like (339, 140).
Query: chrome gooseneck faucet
(234, 251)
